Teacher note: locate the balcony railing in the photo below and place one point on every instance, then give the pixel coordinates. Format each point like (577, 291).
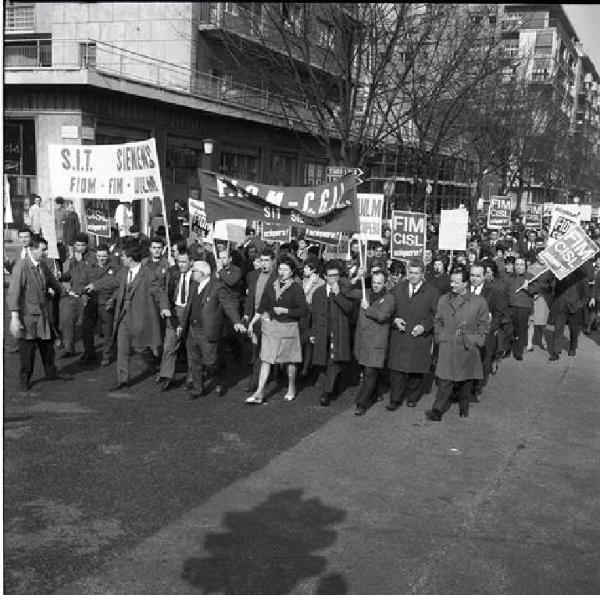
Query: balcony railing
(19, 18)
(127, 65)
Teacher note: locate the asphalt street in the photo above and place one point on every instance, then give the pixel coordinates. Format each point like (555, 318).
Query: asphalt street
(140, 491)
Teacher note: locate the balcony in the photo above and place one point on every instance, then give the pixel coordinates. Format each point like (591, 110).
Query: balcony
(19, 18)
(111, 61)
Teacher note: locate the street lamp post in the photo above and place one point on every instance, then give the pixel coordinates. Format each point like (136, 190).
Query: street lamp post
(208, 145)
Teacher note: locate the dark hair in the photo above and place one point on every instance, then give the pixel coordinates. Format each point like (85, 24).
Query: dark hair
(34, 196)
(268, 252)
(181, 246)
(397, 268)
(313, 250)
(312, 263)
(102, 248)
(134, 251)
(285, 247)
(134, 229)
(157, 240)
(25, 229)
(491, 265)
(377, 245)
(509, 260)
(289, 261)
(82, 237)
(416, 262)
(59, 200)
(335, 264)
(380, 272)
(37, 239)
(462, 271)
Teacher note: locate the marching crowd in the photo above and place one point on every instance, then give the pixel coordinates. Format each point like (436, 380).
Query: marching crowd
(290, 312)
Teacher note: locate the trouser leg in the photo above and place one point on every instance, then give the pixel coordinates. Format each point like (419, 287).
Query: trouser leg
(46, 347)
(69, 313)
(27, 358)
(465, 389)
(88, 326)
(559, 328)
(255, 374)
(364, 396)
(520, 319)
(574, 322)
(413, 387)
(442, 401)
(106, 319)
(169, 356)
(123, 351)
(331, 373)
(397, 386)
(195, 362)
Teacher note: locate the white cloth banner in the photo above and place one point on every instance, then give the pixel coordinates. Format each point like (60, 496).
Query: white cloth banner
(564, 217)
(125, 172)
(454, 225)
(370, 211)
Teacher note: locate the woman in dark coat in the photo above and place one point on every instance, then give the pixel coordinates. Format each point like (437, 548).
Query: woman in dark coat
(281, 307)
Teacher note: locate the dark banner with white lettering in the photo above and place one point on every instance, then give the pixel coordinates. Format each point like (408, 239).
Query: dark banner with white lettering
(330, 206)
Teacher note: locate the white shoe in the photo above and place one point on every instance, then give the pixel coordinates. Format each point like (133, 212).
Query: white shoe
(254, 400)
(289, 397)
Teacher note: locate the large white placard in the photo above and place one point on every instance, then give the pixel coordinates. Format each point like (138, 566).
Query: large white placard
(232, 230)
(124, 172)
(370, 212)
(454, 225)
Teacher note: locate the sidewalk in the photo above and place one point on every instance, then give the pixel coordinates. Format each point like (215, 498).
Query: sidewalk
(505, 501)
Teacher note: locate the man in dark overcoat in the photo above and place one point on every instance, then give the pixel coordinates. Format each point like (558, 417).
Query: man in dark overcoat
(29, 292)
(330, 332)
(372, 333)
(202, 322)
(140, 303)
(409, 356)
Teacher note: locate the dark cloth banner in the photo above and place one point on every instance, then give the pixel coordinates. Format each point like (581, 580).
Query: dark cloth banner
(330, 238)
(331, 206)
(97, 222)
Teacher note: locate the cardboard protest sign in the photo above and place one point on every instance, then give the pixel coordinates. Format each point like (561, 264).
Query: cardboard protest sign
(232, 230)
(370, 211)
(408, 235)
(197, 211)
(274, 232)
(499, 212)
(569, 252)
(533, 216)
(124, 172)
(97, 222)
(561, 222)
(454, 225)
(585, 212)
(329, 238)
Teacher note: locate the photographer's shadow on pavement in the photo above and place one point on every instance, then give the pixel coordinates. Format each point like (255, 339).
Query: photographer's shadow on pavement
(270, 549)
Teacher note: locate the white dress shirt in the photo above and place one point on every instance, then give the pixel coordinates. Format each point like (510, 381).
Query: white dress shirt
(185, 278)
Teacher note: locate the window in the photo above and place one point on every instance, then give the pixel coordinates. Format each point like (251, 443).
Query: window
(182, 163)
(239, 165)
(511, 47)
(543, 43)
(232, 8)
(283, 169)
(326, 37)
(292, 15)
(314, 174)
(19, 16)
(87, 55)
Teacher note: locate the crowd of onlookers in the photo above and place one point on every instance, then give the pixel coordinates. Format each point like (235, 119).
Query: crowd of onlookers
(286, 309)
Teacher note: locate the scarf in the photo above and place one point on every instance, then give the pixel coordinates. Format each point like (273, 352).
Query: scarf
(279, 289)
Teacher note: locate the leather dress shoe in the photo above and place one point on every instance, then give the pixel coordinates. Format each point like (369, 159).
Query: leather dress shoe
(251, 388)
(433, 415)
(24, 385)
(553, 357)
(572, 352)
(59, 376)
(192, 395)
(165, 385)
(360, 410)
(189, 385)
(118, 386)
(519, 358)
(105, 362)
(392, 406)
(87, 359)
(325, 400)
(411, 404)
(463, 413)
(219, 390)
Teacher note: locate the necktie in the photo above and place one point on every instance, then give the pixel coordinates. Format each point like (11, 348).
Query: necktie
(411, 290)
(130, 277)
(182, 296)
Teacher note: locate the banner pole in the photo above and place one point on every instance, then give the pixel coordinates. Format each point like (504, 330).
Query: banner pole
(451, 260)
(533, 279)
(361, 264)
(164, 212)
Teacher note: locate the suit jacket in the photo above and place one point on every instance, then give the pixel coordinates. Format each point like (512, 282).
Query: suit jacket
(572, 292)
(497, 304)
(146, 300)
(160, 269)
(105, 280)
(217, 302)
(232, 278)
(28, 295)
(251, 281)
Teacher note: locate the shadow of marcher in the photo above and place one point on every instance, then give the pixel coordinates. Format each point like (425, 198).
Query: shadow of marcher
(268, 550)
